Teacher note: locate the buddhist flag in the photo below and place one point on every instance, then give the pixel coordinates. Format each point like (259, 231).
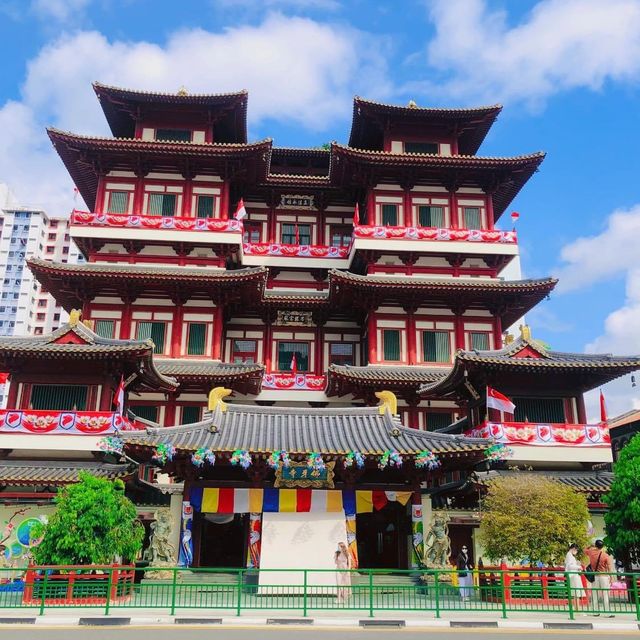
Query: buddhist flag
(495, 400)
(294, 363)
(356, 215)
(241, 212)
(118, 398)
(603, 408)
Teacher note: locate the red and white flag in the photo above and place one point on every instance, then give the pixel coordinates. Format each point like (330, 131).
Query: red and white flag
(294, 363)
(118, 398)
(241, 212)
(515, 216)
(356, 215)
(496, 400)
(603, 408)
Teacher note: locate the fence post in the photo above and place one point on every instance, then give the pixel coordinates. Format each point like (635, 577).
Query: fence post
(634, 589)
(370, 593)
(504, 594)
(44, 591)
(174, 581)
(436, 586)
(108, 598)
(304, 594)
(239, 602)
(567, 581)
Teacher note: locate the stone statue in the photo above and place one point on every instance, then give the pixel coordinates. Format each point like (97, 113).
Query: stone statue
(161, 552)
(437, 544)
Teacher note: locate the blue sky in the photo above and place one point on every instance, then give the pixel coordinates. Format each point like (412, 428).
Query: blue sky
(567, 72)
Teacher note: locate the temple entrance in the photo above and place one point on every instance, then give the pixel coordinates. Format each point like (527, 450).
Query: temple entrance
(383, 537)
(223, 539)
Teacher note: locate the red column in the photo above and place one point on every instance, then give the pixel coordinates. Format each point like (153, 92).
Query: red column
(497, 332)
(187, 194)
(125, 322)
(582, 411)
(372, 337)
(176, 331)
(98, 205)
(406, 206)
(224, 201)
(489, 209)
(217, 333)
(371, 208)
(12, 397)
(106, 398)
(319, 344)
(170, 411)
(320, 235)
(271, 225)
(266, 348)
(138, 196)
(459, 331)
(453, 209)
(411, 336)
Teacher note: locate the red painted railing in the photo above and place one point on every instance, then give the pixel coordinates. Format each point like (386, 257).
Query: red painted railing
(439, 235)
(169, 223)
(30, 421)
(294, 250)
(293, 381)
(544, 434)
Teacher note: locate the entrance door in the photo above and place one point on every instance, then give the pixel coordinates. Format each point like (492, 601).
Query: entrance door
(223, 540)
(382, 537)
(461, 536)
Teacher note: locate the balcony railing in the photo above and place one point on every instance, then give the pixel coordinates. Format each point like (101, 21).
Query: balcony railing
(169, 223)
(434, 234)
(544, 434)
(294, 250)
(293, 382)
(75, 423)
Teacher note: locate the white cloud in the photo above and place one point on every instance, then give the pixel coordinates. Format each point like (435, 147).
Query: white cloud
(597, 258)
(63, 11)
(295, 69)
(587, 261)
(558, 46)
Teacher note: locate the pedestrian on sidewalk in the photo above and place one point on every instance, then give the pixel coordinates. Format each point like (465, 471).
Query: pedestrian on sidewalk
(343, 563)
(465, 573)
(574, 568)
(603, 569)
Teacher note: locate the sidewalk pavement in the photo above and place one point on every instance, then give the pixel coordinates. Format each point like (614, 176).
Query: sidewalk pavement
(324, 619)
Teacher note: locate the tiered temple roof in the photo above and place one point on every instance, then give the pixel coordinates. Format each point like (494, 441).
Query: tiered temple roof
(54, 473)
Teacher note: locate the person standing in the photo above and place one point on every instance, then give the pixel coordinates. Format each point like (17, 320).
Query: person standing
(465, 573)
(343, 576)
(603, 568)
(573, 567)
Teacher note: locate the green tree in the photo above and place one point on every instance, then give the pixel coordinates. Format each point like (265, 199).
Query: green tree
(622, 519)
(526, 516)
(94, 523)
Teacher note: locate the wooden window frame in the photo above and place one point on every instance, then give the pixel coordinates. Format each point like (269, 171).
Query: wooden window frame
(341, 358)
(242, 355)
(309, 344)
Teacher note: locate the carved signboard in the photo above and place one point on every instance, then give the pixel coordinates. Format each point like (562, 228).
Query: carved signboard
(298, 474)
(294, 318)
(296, 202)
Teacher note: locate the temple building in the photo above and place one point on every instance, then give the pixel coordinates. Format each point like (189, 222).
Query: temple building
(257, 302)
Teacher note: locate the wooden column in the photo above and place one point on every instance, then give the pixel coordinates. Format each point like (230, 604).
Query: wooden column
(320, 234)
(582, 411)
(187, 196)
(106, 397)
(459, 330)
(98, 205)
(170, 411)
(138, 195)
(497, 332)
(176, 330)
(125, 321)
(489, 210)
(319, 344)
(406, 207)
(372, 337)
(453, 209)
(411, 334)
(371, 209)
(266, 347)
(218, 333)
(12, 396)
(224, 201)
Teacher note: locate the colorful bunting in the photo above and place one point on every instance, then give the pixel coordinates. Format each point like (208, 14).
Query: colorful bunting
(278, 457)
(241, 457)
(202, 455)
(498, 452)
(390, 458)
(427, 459)
(315, 461)
(112, 444)
(164, 452)
(353, 457)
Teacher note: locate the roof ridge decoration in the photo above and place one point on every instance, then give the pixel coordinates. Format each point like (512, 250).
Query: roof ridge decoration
(413, 106)
(182, 92)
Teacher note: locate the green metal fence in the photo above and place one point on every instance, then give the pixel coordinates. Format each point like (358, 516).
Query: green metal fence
(234, 591)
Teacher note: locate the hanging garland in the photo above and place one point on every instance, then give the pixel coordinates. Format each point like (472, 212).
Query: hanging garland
(202, 455)
(427, 460)
(280, 456)
(112, 444)
(390, 458)
(353, 457)
(241, 457)
(315, 461)
(164, 452)
(497, 452)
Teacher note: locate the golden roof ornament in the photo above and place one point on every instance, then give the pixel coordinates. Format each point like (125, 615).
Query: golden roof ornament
(215, 398)
(525, 332)
(508, 338)
(388, 401)
(182, 91)
(412, 104)
(74, 317)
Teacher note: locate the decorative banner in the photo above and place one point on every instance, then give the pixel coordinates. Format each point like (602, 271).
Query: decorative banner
(185, 555)
(367, 501)
(255, 540)
(553, 435)
(175, 223)
(352, 545)
(439, 235)
(294, 382)
(299, 474)
(63, 422)
(296, 202)
(294, 318)
(417, 533)
(294, 250)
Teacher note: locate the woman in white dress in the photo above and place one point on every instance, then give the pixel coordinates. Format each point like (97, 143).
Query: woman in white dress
(343, 575)
(573, 567)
